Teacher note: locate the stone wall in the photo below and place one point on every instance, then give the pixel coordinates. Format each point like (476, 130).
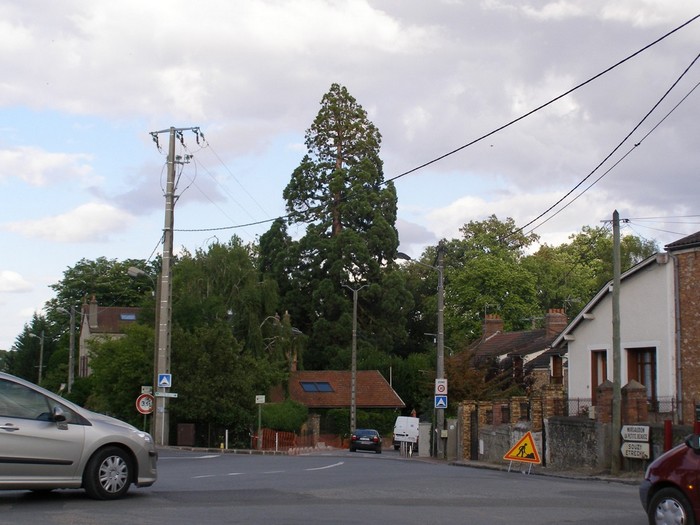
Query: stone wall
(577, 444)
(563, 442)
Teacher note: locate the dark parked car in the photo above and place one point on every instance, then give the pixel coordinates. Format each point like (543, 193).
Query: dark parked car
(366, 439)
(47, 442)
(669, 492)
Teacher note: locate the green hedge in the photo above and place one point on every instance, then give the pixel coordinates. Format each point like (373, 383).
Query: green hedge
(287, 416)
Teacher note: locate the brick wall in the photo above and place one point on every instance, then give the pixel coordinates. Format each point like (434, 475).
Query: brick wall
(689, 306)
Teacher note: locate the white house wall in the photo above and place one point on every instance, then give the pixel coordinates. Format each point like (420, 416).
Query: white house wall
(646, 320)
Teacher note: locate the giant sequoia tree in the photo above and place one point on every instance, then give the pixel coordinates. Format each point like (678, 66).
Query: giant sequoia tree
(338, 191)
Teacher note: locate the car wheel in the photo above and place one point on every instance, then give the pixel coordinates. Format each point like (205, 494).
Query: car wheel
(108, 474)
(352, 449)
(670, 507)
(378, 451)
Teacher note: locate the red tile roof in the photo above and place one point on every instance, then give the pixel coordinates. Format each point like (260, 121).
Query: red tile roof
(372, 390)
(112, 319)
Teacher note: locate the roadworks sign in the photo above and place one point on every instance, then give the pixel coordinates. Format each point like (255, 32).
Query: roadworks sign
(524, 450)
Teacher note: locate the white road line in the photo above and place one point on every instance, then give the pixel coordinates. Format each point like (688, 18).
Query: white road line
(204, 476)
(190, 457)
(235, 474)
(327, 466)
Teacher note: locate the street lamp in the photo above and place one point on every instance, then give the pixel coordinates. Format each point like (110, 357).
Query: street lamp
(135, 273)
(353, 380)
(41, 352)
(158, 421)
(71, 345)
(440, 371)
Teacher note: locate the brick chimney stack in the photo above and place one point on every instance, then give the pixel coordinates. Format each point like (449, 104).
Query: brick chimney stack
(555, 321)
(92, 313)
(493, 324)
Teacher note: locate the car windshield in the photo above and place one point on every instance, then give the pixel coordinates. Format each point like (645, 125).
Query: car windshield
(364, 433)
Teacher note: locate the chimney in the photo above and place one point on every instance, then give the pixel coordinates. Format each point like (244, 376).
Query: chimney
(493, 324)
(92, 314)
(555, 321)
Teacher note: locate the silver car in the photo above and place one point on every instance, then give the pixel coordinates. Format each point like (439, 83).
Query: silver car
(47, 442)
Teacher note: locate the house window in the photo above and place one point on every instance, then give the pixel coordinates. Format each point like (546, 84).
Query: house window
(316, 386)
(641, 366)
(599, 371)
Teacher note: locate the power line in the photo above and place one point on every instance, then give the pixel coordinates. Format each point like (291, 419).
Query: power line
(501, 128)
(648, 114)
(538, 108)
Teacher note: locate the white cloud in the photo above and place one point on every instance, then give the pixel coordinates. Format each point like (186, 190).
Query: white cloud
(12, 282)
(93, 222)
(42, 168)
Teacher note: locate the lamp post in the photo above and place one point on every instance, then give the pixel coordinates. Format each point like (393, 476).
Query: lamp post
(71, 346)
(135, 272)
(41, 353)
(353, 374)
(440, 369)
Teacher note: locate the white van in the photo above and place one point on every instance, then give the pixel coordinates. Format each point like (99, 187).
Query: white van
(406, 430)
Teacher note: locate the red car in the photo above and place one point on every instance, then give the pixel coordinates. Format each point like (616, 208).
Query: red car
(670, 492)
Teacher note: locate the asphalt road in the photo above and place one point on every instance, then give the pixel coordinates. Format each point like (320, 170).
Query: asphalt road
(337, 487)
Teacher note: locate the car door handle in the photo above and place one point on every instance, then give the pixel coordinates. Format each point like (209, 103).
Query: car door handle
(9, 427)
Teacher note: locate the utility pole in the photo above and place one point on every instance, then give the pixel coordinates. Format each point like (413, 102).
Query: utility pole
(353, 386)
(440, 372)
(440, 367)
(161, 418)
(617, 381)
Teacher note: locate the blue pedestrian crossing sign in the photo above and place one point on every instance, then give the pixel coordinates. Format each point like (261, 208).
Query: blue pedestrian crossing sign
(165, 380)
(440, 401)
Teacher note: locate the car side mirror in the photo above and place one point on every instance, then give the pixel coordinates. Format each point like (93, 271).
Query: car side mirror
(59, 416)
(693, 441)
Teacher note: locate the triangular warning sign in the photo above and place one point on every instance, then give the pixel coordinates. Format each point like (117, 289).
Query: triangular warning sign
(524, 450)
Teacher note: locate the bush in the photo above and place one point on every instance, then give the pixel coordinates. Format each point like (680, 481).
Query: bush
(287, 416)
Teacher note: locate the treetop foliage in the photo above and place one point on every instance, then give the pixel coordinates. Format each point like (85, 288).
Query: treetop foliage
(244, 315)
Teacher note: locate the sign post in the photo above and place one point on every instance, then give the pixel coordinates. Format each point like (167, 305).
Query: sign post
(635, 441)
(144, 405)
(260, 401)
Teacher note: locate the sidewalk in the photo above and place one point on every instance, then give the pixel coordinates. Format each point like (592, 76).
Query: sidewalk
(629, 478)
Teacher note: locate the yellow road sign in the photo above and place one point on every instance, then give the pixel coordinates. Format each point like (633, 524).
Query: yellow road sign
(524, 450)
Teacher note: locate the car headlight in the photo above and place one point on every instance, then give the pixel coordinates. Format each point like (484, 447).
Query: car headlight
(145, 436)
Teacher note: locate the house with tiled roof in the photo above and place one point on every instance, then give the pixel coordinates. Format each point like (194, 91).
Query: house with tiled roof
(101, 322)
(523, 347)
(647, 330)
(326, 389)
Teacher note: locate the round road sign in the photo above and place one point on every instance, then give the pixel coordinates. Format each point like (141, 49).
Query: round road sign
(144, 403)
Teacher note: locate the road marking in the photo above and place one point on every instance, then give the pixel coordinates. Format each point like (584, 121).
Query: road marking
(235, 474)
(211, 456)
(274, 472)
(327, 466)
(205, 476)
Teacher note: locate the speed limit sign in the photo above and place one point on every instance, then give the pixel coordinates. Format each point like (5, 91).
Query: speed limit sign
(441, 387)
(144, 404)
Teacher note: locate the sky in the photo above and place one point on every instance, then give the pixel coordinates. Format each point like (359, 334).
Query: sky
(453, 86)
